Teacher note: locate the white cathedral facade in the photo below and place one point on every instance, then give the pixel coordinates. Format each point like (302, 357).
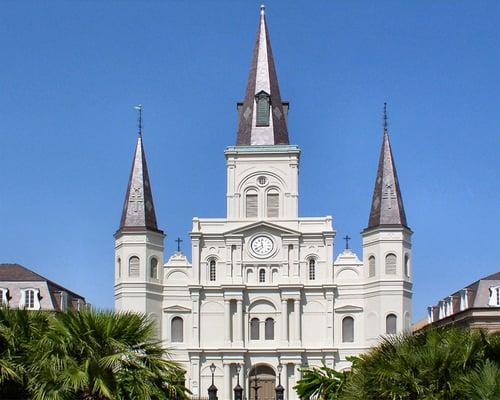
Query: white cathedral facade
(262, 287)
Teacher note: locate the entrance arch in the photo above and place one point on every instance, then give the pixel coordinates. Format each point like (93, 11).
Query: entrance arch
(265, 378)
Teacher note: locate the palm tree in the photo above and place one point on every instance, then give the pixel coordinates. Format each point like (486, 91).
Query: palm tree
(437, 364)
(322, 383)
(430, 365)
(19, 330)
(98, 355)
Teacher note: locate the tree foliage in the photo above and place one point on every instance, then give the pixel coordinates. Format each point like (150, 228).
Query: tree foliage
(88, 355)
(437, 364)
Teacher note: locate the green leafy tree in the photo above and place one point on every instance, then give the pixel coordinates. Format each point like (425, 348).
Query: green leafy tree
(430, 365)
(437, 364)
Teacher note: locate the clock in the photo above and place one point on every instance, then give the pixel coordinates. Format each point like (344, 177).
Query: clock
(262, 245)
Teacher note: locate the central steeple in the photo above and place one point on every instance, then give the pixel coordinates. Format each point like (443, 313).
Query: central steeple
(262, 115)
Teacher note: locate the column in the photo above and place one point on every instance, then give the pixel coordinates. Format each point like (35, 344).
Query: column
(286, 382)
(227, 321)
(284, 320)
(239, 322)
(296, 312)
(296, 373)
(227, 382)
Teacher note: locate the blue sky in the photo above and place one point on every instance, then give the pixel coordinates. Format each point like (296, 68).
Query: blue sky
(71, 72)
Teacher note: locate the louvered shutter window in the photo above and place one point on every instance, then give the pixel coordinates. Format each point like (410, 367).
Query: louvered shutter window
(251, 200)
(407, 266)
(212, 271)
(348, 329)
(269, 329)
(312, 269)
(371, 266)
(254, 329)
(391, 324)
(262, 275)
(154, 268)
(133, 266)
(273, 205)
(177, 330)
(262, 100)
(390, 264)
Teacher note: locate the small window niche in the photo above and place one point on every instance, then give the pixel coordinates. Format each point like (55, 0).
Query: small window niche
(263, 104)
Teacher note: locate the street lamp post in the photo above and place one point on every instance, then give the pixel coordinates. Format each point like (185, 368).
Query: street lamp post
(238, 390)
(212, 390)
(256, 387)
(280, 390)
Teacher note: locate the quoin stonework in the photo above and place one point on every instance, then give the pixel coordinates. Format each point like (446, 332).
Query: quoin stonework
(262, 286)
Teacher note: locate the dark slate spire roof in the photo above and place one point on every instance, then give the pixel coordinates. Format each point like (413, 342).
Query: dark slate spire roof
(138, 209)
(387, 203)
(262, 77)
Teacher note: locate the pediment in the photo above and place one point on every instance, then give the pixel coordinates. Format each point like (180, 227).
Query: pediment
(262, 224)
(176, 308)
(349, 309)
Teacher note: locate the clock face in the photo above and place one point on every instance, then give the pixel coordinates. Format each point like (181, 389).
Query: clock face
(262, 245)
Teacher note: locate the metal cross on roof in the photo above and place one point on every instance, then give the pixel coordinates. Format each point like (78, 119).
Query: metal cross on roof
(179, 241)
(347, 238)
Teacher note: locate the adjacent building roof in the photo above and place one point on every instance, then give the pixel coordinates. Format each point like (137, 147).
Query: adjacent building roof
(138, 209)
(387, 203)
(19, 273)
(262, 78)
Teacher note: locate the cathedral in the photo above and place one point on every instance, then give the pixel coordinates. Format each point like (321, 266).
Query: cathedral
(263, 296)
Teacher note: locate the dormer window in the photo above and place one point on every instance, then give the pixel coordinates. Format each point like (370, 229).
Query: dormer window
(4, 296)
(494, 296)
(263, 102)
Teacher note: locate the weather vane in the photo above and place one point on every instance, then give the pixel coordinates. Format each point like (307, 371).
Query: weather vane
(139, 117)
(385, 116)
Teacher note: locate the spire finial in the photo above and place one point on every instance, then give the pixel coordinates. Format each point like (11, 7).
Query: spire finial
(139, 117)
(385, 117)
(262, 9)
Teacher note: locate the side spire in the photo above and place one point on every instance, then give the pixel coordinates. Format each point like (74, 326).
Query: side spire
(387, 203)
(262, 115)
(138, 209)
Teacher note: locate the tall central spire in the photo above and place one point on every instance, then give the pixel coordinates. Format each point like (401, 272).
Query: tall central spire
(262, 116)
(138, 210)
(387, 202)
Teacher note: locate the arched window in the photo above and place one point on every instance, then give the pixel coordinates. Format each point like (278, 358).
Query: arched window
(269, 329)
(391, 324)
(312, 269)
(371, 266)
(212, 273)
(177, 330)
(254, 329)
(273, 204)
(390, 264)
(133, 266)
(263, 101)
(154, 268)
(348, 330)
(251, 200)
(407, 265)
(119, 265)
(262, 275)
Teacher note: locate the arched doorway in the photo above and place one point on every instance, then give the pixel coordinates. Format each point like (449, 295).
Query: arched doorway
(264, 377)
